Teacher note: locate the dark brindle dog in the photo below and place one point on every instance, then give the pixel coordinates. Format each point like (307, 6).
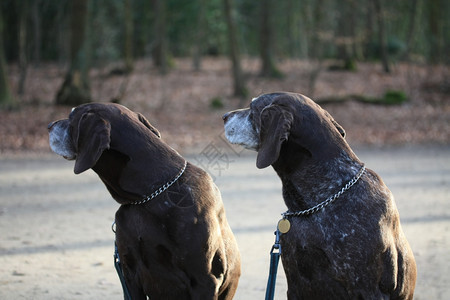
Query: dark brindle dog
(345, 239)
(172, 234)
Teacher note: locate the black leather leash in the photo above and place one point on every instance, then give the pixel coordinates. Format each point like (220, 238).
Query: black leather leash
(118, 267)
(275, 254)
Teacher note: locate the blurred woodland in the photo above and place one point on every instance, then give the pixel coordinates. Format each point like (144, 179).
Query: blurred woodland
(380, 67)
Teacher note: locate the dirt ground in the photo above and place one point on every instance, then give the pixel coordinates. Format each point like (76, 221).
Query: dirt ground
(56, 240)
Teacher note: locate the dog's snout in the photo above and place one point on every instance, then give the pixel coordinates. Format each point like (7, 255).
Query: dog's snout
(53, 124)
(226, 116)
(50, 125)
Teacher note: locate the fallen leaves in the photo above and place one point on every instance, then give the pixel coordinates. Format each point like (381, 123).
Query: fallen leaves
(179, 103)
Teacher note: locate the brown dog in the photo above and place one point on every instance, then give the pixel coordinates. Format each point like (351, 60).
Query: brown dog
(172, 234)
(345, 240)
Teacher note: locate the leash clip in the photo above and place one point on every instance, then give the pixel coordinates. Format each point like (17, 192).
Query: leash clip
(276, 245)
(118, 266)
(275, 254)
(113, 226)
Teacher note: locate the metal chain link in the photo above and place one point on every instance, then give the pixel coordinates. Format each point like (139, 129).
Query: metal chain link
(329, 200)
(162, 188)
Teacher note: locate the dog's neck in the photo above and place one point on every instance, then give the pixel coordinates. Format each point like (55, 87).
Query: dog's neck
(129, 179)
(310, 181)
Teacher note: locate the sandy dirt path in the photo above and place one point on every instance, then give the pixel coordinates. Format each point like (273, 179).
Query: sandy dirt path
(55, 228)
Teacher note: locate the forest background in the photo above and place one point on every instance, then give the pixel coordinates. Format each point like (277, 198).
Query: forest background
(380, 67)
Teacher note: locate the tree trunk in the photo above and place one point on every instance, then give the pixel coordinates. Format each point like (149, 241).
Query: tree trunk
(411, 27)
(382, 35)
(128, 51)
(6, 98)
(239, 85)
(345, 35)
(435, 24)
(159, 51)
(294, 28)
(267, 42)
(75, 88)
(199, 35)
(316, 26)
(23, 57)
(316, 47)
(36, 21)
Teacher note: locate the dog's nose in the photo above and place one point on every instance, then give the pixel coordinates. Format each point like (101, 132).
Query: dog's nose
(50, 125)
(226, 116)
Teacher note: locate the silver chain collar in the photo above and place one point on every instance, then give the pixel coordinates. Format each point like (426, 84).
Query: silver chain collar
(329, 200)
(162, 188)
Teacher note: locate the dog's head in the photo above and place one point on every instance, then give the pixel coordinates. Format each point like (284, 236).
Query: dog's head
(92, 128)
(274, 119)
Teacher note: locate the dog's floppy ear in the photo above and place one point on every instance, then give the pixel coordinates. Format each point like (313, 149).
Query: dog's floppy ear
(148, 125)
(93, 138)
(276, 123)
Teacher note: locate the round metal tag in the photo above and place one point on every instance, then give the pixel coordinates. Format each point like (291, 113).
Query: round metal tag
(284, 225)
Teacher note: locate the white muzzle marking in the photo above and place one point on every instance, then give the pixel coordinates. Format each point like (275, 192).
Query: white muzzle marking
(239, 130)
(60, 142)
